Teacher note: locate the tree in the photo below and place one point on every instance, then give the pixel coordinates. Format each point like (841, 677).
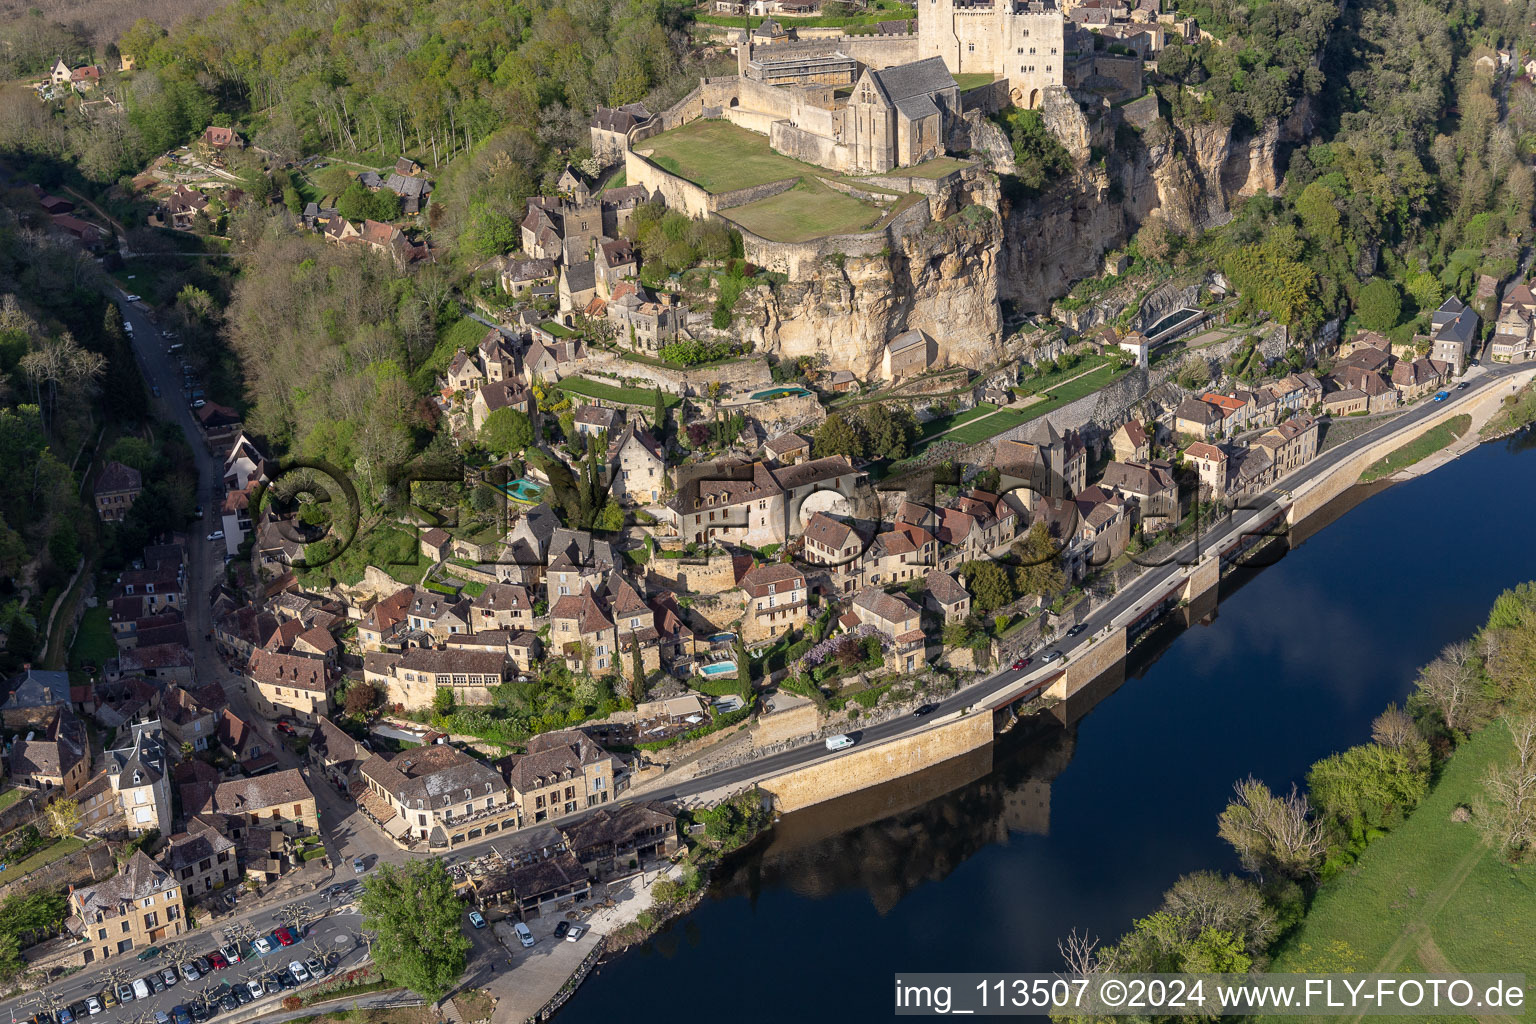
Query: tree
(610, 518)
(836, 436)
(63, 817)
(1424, 287)
(1379, 305)
(134, 452)
(442, 701)
(1366, 787)
(414, 915)
(1449, 687)
(1505, 811)
(1209, 899)
(636, 670)
(361, 697)
(989, 585)
(506, 432)
(658, 414)
(1272, 833)
(1039, 569)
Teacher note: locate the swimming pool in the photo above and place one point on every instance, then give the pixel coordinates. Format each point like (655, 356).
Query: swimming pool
(522, 490)
(718, 668)
(771, 393)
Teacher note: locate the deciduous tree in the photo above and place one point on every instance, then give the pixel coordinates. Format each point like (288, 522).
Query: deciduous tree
(414, 914)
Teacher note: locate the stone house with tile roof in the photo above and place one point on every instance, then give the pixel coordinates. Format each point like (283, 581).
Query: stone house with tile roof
(139, 906)
(439, 794)
(562, 773)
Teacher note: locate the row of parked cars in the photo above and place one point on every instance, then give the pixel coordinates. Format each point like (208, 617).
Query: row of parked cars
(227, 997)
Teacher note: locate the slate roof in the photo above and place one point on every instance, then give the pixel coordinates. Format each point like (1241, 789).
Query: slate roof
(245, 796)
(919, 78)
(946, 589)
(118, 477)
(893, 608)
(433, 776)
(581, 277)
(555, 755)
(139, 877)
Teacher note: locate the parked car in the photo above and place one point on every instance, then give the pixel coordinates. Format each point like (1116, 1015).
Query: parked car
(263, 945)
(190, 973)
(357, 866)
(168, 976)
(130, 298)
(523, 934)
(254, 988)
(477, 919)
(285, 726)
(149, 953)
(67, 1014)
(79, 1010)
(161, 1017)
(300, 975)
(141, 989)
(1077, 629)
(232, 952)
(180, 1015)
(315, 967)
(202, 965)
(228, 1003)
(561, 929)
(216, 959)
(576, 932)
(199, 1010)
(199, 404)
(93, 1006)
(285, 937)
(275, 983)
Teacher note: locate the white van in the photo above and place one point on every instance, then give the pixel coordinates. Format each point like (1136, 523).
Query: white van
(523, 934)
(839, 742)
(141, 989)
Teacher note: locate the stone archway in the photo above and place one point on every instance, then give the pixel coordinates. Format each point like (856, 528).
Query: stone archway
(1017, 96)
(1034, 99)
(735, 102)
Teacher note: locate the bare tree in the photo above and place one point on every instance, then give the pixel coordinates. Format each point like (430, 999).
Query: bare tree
(1450, 685)
(1272, 833)
(1080, 951)
(1505, 811)
(1209, 899)
(1394, 727)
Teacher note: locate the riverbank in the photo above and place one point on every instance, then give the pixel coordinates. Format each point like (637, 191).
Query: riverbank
(1429, 896)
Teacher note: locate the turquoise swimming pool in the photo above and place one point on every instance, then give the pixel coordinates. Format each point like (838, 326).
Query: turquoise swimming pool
(525, 491)
(771, 393)
(718, 668)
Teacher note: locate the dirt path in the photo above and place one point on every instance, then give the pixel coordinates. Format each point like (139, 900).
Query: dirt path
(1434, 960)
(1416, 929)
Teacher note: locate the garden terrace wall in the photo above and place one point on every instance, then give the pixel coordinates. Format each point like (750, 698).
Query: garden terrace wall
(751, 373)
(799, 260)
(713, 574)
(86, 865)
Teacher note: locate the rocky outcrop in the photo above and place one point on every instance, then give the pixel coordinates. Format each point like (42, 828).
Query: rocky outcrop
(943, 280)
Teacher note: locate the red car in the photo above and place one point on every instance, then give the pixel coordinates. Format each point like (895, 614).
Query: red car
(284, 936)
(285, 727)
(218, 961)
(1022, 663)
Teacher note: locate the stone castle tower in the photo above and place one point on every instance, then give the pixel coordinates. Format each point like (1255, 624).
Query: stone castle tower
(1024, 42)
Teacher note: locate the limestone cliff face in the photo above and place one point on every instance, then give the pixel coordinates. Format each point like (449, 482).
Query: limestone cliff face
(942, 280)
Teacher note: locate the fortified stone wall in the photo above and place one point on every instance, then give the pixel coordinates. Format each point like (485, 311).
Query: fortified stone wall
(714, 574)
(864, 767)
(91, 864)
(741, 375)
(784, 726)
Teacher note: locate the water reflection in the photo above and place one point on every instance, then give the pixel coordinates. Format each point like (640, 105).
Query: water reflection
(1081, 818)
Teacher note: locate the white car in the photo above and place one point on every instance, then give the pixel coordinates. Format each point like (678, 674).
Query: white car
(254, 988)
(263, 945)
(189, 972)
(130, 298)
(216, 535)
(141, 989)
(300, 975)
(523, 934)
(92, 1005)
(576, 932)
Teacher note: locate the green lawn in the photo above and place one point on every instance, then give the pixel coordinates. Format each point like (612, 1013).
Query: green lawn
(11, 795)
(63, 848)
(809, 210)
(935, 168)
(720, 157)
(395, 551)
(557, 330)
(1428, 894)
(1420, 448)
(609, 393)
(93, 642)
(971, 79)
(943, 423)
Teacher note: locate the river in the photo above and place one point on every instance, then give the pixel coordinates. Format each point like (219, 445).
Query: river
(982, 864)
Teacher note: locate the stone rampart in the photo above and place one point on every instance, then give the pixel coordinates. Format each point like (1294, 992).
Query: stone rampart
(787, 725)
(1088, 663)
(713, 574)
(863, 767)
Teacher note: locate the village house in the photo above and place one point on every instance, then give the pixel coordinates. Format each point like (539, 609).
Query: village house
(776, 602)
(1514, 339)
(611, 840)
(518, 277)
(438, 614)
(1198, 419)
(834, 543)
(1044, 462)
(636, 467)
(1291, 444)
(907, 354)
(900, 619)
(1210, 464)
(501, 606)
(138, 907)
(582, 632)
(278, 800)
(787, 449)
(1453, 334)
(1104, 524)
(57, 758)
(1151, 489)
(1348, 402)
(945, 595)
(610, 131)
(562, 773)
(335, 753)
(1413, 378)
(381, 628)
(1130, 442)
(439, 794)
(290, 684)
(615, 261)
(642, 321)
(412, 681)
(116, 488)
(752, 504)
(139, 774)
(575, 560)
(187, 720)
(201, 859)
(35, 697)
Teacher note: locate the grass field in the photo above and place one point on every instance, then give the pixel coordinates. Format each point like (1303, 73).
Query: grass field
(972, 79)
(1420, 448)
(809, 210)
(720, 157)
(943, 423)
(610, 393)
(47, 855)
(1428, 896)
(93, 642)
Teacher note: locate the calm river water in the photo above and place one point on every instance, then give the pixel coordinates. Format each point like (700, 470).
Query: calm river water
(982, 864)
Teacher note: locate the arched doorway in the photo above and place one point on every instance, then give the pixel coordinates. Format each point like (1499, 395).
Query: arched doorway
(1034, 98)
(735, 102)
